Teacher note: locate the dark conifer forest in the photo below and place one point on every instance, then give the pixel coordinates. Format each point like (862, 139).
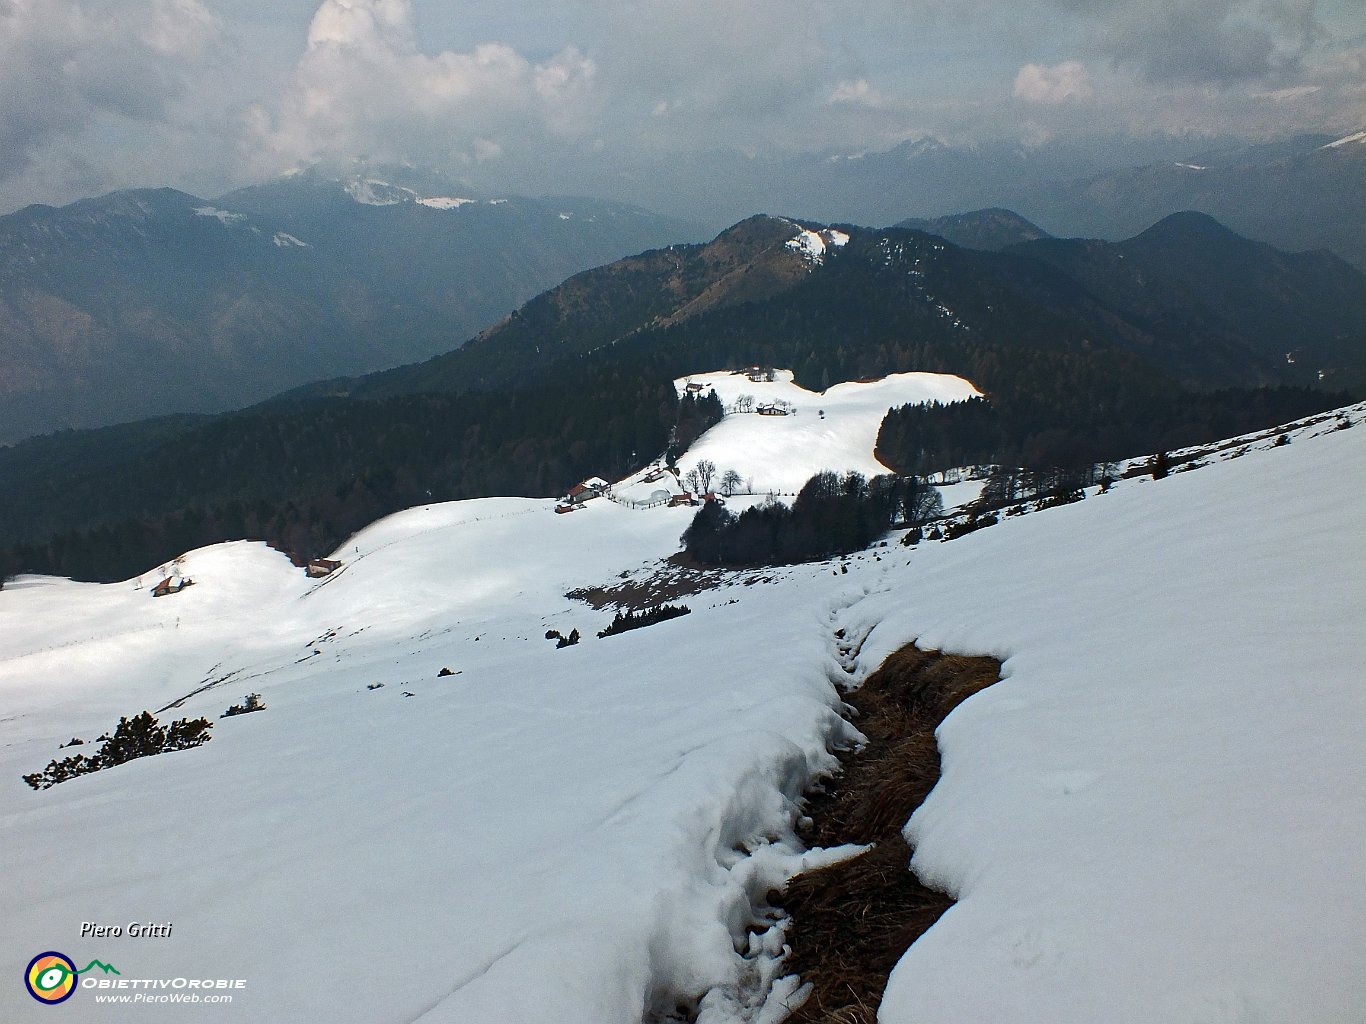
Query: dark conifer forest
(833, 514)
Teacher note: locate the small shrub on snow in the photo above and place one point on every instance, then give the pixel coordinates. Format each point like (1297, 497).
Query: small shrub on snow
(253, 703)
(973, 523)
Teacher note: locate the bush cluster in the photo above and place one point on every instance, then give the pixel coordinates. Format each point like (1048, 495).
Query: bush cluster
(252, 703)
(973, 523)
(560, 639)
(136, 737)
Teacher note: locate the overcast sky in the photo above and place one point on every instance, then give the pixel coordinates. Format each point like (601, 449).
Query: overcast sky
(209, 94)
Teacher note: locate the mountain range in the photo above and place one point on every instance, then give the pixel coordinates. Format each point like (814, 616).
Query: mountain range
(1087, 350)
(1307, 191)
(155, 302)
(1188, 297)
(991, 229)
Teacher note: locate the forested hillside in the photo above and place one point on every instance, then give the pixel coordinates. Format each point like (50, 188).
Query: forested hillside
(578, 383)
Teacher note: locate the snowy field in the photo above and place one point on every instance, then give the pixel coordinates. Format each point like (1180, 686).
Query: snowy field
(1154, 817)
(835, 429)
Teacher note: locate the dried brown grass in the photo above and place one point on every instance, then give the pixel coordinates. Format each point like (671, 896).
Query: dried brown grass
(671, 579)
(853, 921)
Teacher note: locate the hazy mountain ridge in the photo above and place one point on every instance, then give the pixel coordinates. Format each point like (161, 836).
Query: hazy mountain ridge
(579, 382)
(1189, 297)
(1299, 194)
(748, 262)
(155, 301)
(1190, 275)
(992, 229)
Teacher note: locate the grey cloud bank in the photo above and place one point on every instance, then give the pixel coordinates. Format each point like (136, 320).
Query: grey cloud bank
(208, 94)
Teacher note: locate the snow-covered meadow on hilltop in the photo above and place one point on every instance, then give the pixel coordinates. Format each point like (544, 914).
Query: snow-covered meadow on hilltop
(1151, 818)
(834, 429)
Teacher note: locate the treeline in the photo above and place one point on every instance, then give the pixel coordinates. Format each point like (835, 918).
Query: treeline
(1017, 428)
(832, 515)
(304, 477)
(695, 416)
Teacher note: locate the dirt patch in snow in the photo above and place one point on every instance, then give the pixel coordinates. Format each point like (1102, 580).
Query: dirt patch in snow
(667, 580)
(852, 921)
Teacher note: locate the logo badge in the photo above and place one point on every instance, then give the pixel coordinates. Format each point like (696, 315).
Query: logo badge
(50, 977)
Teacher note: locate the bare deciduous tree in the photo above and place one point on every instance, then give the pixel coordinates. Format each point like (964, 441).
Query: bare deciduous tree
(706, 472)
(730, 482)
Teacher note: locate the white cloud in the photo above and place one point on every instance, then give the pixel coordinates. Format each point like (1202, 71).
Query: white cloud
(859, 93)
(208, 94)
(1038, 83)
(178, 28)
(363, 86)
(484, 150)
(363, 23)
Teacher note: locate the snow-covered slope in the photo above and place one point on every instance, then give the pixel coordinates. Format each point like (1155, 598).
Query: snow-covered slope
(1153, 818)
(835, 429)
(1148, 819)
(1347, 140)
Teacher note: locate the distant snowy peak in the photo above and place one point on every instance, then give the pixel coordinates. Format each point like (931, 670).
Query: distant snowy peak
(444, 202)
(924, 146)
(811, 245)
(224, 217)
(373, 192)
(377, 192)
(1358, 138)
(284, 240)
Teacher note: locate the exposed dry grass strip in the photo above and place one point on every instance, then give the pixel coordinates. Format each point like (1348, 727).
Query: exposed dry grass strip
(851, 922)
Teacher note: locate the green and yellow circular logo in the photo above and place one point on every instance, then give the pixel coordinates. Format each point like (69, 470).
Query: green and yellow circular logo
(50, 977)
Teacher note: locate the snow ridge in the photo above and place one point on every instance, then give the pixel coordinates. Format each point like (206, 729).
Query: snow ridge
(1347, 140)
